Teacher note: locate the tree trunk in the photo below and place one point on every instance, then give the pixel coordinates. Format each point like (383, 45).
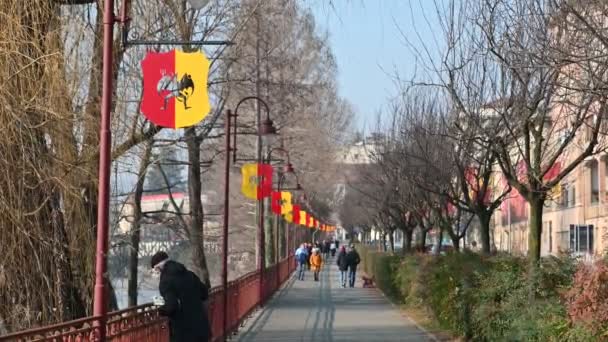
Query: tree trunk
(69, 297)
(196, 206)
(439, 242)
(535, 229)
(391, 240)
(484, 231)
(407, 241)
(422, 240)
(455, 243)
(132, 276)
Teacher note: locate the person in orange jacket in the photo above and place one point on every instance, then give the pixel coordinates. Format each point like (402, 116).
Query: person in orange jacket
(315, 263)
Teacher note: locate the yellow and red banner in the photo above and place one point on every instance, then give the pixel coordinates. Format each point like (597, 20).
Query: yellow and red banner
(286, 206)
(296, 214)
(275, 202)
(175, 88)
(256, 180)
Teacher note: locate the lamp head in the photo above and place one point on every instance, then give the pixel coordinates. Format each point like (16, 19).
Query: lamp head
(288, 168)
(267, 128)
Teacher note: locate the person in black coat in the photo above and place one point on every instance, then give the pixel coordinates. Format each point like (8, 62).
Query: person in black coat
(183, 294)
(342, 265)
(352, 259)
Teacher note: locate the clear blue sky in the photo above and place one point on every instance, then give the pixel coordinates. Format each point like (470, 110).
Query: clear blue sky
(367, 38)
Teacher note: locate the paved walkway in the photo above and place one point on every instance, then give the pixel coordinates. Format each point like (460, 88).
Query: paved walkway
(323, 311)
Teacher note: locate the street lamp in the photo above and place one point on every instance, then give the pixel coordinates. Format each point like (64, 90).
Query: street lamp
(287, 169)
(105, 142)
(265, 130)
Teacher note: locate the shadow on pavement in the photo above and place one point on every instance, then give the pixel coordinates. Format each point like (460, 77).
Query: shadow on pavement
(322, 311)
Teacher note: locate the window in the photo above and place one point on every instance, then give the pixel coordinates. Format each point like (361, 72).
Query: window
(568, 195)
(571, 196)
(594, 181)
(606, 173)
(581, 239)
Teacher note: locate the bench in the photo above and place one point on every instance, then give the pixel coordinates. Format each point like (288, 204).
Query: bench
(368, 282)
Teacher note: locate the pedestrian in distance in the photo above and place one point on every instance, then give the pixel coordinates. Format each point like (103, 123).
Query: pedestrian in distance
(316, 262)
(302, 258)
(309, 248)
(353, 260)
(342, 266)
(183, 295)
(326, 248)
(332, 248)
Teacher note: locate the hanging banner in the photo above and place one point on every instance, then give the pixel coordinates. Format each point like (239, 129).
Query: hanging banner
(286, 206)
(275, 202)
(252, 174)
(175, 88)
(296, 214)
(303, 218)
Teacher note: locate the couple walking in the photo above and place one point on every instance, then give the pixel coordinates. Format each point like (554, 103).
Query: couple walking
(347, 262)
(315, 261)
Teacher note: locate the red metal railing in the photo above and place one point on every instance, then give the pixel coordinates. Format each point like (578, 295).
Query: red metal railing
(143, 323)
(139, 323)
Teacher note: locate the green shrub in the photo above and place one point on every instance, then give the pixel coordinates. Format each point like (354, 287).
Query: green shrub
(385, 266)
(406, 278)
(484, 298)
(382, 266)
(501, 288)
(449, 283)
(507, 311)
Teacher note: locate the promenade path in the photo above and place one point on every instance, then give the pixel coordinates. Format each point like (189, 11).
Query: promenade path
(323, 311)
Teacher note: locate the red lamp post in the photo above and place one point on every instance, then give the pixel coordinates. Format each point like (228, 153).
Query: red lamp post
(265, 129)
(105, 145)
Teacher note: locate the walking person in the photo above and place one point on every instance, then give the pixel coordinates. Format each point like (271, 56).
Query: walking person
(302, 258)
(183, 294)
(353, 260)
(342, 265)
(332, 248)
(309, 251)
(316, 261)
(326, 248)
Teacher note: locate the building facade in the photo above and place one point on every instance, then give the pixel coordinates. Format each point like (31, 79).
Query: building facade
(575, 217)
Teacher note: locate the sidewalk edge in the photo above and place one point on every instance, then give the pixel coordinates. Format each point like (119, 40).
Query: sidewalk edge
(432, 336)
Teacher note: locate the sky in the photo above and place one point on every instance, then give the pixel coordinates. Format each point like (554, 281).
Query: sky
(367, 38)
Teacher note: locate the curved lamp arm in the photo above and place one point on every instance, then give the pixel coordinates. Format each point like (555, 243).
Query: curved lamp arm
(235, 116)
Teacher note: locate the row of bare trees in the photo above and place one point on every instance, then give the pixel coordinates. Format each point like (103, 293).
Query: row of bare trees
(50, 61)
(511, 100)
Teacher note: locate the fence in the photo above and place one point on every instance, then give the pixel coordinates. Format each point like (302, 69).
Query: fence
(143, 323)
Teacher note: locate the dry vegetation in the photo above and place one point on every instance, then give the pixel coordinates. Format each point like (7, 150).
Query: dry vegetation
(50, 89)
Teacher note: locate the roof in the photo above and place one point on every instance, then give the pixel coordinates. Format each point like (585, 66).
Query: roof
(160, 197)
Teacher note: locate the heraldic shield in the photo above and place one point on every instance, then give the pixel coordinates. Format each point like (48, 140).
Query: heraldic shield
(175, 88)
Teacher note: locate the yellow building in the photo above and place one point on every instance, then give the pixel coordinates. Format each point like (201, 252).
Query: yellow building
(575, 221)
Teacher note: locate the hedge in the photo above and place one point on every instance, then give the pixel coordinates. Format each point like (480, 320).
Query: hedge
(489, 298)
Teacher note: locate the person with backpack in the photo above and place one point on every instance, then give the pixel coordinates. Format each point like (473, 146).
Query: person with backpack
(342, 266)
(352, 259)
(302, 258)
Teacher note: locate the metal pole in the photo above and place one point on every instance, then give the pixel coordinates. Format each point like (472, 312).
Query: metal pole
(277, 253)
(261, 235)
(225, 231)
(105, 145)
(262, 254)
